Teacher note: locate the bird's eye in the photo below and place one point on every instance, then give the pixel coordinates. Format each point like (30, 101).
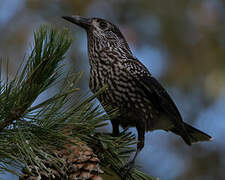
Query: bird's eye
(103, 25)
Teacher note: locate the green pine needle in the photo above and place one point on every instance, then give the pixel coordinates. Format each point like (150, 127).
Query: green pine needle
(29, 134)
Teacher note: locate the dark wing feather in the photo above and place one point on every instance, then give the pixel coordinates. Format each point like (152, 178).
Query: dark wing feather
(158, 96)
(156, 93)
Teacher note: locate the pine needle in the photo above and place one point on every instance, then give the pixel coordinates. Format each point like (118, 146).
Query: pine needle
(29, 134)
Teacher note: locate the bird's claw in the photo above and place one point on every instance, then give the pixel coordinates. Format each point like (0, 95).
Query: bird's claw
(126, 169)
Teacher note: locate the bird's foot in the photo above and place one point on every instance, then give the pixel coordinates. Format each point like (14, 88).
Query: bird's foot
(127, 168)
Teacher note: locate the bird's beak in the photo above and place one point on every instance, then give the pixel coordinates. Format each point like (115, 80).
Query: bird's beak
(78, 20)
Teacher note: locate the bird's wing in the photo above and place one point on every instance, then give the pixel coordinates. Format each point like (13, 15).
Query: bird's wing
(158, 96)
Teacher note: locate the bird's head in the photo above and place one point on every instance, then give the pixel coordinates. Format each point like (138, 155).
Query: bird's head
(100, 30)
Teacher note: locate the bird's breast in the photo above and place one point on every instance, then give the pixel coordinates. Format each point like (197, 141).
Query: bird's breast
(122, 89)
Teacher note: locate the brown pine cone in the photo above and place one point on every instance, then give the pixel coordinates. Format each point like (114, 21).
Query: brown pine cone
(80, 164)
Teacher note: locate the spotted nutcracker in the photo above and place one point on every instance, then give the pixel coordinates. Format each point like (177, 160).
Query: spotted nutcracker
(141, 100)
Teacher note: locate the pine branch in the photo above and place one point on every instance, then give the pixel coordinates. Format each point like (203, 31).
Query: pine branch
(34, 136)
(18, 127)
(39, 73)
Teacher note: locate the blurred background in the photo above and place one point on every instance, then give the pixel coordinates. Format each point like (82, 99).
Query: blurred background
(182, 43)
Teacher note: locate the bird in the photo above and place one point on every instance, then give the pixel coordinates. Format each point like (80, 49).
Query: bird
(141, 100)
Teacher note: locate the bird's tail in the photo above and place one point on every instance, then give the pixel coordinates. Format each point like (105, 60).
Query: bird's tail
(192, 135)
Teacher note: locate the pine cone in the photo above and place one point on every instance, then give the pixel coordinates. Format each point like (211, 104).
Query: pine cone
(80, 164)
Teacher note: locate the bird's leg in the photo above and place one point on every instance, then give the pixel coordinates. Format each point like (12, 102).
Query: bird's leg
(115, 132)
(115, 125)
(140, 145)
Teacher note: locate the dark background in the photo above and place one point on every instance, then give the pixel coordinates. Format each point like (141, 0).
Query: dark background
(182, 43)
